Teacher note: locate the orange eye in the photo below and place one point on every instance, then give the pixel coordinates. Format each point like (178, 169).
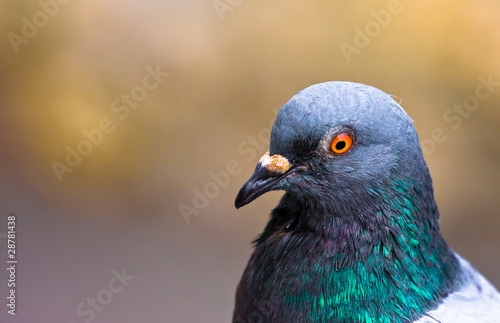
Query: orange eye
(341, 143)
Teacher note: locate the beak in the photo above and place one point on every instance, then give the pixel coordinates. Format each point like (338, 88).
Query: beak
(269, 171)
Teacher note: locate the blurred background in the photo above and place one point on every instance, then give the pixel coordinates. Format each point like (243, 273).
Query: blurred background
(127, 128)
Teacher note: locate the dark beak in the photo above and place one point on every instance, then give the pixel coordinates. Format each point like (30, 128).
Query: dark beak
(262, 181)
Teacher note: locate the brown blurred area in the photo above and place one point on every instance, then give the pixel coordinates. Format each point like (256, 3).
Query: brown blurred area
(227, 73)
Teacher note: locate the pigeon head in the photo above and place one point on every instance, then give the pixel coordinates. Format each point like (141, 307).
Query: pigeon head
(358, 222)
(334, 144)
(356, 236)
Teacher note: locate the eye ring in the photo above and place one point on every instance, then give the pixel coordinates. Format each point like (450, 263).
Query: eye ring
(341, 143)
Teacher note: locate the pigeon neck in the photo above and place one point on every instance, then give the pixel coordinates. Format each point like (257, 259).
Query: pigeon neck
(388, 260)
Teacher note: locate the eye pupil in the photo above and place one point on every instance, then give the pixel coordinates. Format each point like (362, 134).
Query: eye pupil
(340, 145)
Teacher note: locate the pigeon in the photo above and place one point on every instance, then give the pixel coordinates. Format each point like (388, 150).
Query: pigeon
(355, 237)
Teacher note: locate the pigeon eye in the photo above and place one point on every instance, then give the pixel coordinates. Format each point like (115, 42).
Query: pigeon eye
(341, 143)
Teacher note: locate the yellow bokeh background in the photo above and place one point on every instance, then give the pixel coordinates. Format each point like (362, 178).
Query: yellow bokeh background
(231, 64)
